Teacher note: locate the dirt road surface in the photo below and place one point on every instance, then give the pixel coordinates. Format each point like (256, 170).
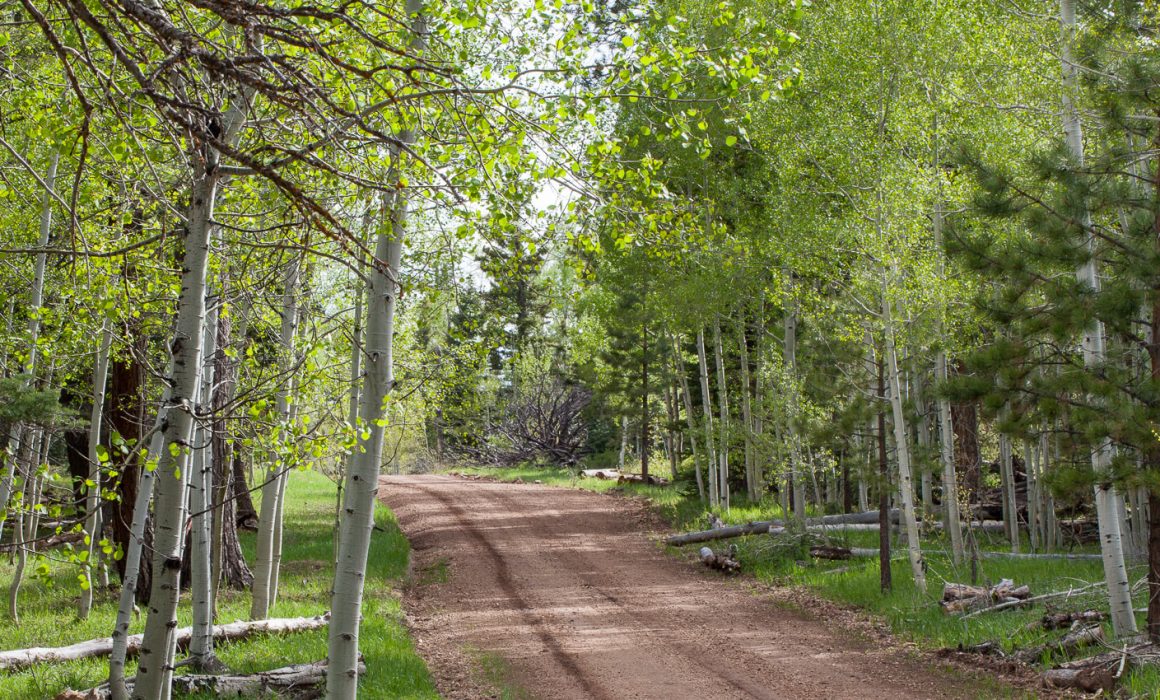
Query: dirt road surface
(563, 594)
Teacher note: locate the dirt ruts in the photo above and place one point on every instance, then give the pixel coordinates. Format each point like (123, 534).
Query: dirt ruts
(558, 593)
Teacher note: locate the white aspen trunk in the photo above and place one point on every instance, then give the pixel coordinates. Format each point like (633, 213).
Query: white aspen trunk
(747, 414)
(1047, 500)
(36, 302)
(623, 442)
(795, 476)
(93, 493)
(952, 521)
(201, 564)
(688, 399)
(356, 353)
(362, 479)
(1106, 496)
(950, 483)
(923, 444)
(706, 404)
(1029, 464)
(1010, 504)
(905, 479)
(723, 409)
(274, 486)
(25, 516)
(128, 597)
(759, 453)
(155, 668)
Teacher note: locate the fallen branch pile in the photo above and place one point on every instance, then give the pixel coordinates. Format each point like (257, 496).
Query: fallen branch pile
(21, 658)
(959, 597)
(720, 560)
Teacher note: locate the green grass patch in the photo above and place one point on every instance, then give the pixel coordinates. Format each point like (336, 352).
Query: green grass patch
(394, 670)
(912, 616)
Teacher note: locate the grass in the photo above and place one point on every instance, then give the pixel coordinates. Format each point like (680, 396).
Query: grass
(394, 670)
(911, 615)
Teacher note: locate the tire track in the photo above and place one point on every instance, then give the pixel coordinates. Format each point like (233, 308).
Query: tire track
(608, 615)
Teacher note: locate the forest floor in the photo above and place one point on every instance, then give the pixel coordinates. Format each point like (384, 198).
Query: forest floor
(524, 590)
(48, 607)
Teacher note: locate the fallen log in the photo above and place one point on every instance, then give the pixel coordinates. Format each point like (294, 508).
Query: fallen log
(1073, 641)
(299, 680)
(828, 552)
(854, 522)
(1089, 680)
(1059, 621)
(21, 658)
(719, 561)
(721, 533)
(638, 479)
(601, 473)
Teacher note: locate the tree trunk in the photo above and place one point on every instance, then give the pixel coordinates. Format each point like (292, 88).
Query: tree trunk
(201, 486)
(884, 574)
(1106, 497)
(229, 564)
(125, 405)
(267, 556)
(723, 409)
(905, 479)
(93, 483)
(1010, 505)
(706, 404)
(688, 399)
(747, 413)
(155, 668)
(35, 303)
(137, 544)
(796, 484)
(645, 418)
(362, 478)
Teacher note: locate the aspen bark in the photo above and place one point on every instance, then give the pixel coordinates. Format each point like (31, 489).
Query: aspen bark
(751, 480)
(274, 486)
(905, 478)
(155, 668)
(723, 409)
(795, 477)
(1106, 496)
(688, 399)
(128, 597)
(93, 494)
(362, 478)
(36, 302)
(706, 404)
(1010, 505)
(201, 568)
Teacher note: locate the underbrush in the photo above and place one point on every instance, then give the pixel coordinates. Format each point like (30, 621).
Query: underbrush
(394, 670)
(912, 616)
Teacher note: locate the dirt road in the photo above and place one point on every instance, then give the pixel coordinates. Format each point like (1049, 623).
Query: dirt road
(563, 594)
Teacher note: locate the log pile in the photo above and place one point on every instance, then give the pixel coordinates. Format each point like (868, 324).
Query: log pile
(720, 561)
(960, 597)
